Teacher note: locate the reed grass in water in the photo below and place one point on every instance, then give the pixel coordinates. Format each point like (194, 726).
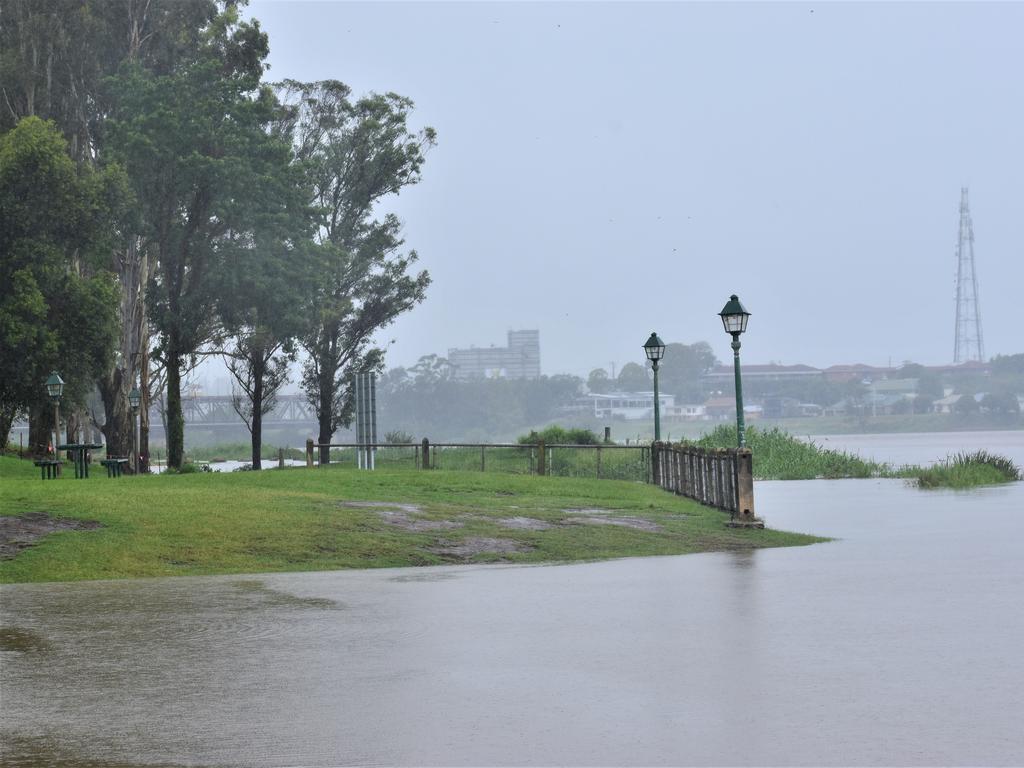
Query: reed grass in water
(965, 470)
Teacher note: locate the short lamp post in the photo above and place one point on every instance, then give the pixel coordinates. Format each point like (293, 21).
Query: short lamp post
(55, 389)
(655, 350)
(134, 399)
(734, 317)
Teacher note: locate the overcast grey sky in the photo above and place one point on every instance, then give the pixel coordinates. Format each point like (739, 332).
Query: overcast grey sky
(604, 169)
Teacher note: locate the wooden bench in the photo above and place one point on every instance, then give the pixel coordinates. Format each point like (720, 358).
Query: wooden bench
(114, 466)
(48, 468)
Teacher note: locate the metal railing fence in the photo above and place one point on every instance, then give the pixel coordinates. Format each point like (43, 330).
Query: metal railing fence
(605, 461)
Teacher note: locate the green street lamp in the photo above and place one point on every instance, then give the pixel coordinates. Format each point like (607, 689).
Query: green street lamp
(55, 386)
(655, 350)
(134, 399)
(734, 317)
(55, 389)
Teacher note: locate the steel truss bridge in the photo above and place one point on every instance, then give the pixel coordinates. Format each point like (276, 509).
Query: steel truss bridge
(218, 411)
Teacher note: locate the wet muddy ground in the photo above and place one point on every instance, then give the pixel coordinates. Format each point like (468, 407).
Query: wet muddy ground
(22, 531)
(413, 518)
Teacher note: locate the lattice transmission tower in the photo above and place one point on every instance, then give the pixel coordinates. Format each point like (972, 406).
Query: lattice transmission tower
(969, 344)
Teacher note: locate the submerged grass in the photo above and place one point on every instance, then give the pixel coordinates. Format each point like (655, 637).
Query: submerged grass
(296, 520)
(966, 470)
(779, 455)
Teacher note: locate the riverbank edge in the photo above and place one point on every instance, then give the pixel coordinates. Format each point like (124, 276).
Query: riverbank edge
(341, 518)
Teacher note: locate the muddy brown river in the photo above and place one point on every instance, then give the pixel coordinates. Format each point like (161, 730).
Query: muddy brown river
(898, 643)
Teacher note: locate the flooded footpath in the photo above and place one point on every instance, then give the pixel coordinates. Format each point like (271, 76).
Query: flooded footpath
(897, 643)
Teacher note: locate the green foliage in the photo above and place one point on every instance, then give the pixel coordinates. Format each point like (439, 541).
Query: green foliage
(633, 378)
(398, 437)
(426, 401)
(556, 435)
(355, 154)
(599, 382)
(211, 179)
(1001, 403)
(778, 455)
(680, 371)
(966, 405)
(1008, 365)
(56, 224)
(966, 470)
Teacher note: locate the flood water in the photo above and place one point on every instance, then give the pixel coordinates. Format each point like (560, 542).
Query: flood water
(926, 448)
(898, 643)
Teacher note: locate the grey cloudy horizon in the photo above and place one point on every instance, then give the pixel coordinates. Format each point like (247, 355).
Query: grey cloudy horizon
(604, 170)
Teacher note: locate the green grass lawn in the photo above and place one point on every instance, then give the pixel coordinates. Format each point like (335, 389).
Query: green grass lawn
(296, 520)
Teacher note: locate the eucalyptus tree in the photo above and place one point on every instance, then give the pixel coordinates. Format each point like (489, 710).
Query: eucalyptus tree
(263, 307)
(53, 214)
(207, 169)
(355, 154)
(55, 56)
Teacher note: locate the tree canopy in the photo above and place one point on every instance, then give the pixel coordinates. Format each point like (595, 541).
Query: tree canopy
(55, 218)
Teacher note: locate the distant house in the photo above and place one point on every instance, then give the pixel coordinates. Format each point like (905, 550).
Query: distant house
(720, 408)
(724, 408)
(686, 412)
(788, 408)
(631, 406)
(946, 404)
(855, 372)
(905, 387)
(724, 374)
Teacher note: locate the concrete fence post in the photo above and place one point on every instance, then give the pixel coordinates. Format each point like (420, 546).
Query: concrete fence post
(425, 449)
(309, 453)
(541, 459)
(744, 517)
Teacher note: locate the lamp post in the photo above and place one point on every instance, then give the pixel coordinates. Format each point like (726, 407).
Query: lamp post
(734, 317)
(134, 398)
(655, 350)
(55, 388)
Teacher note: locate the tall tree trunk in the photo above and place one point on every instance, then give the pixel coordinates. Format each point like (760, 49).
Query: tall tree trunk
(326, 415)
(258, 370)
(130, 265)
(144, 408)
(117, 424)
(40, 430)
(175, 417)
(6, 422)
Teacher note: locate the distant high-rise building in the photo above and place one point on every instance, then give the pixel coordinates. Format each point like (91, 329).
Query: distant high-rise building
(969, 344)
(519, 360)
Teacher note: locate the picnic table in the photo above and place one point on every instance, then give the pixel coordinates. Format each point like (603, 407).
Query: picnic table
(80, 456)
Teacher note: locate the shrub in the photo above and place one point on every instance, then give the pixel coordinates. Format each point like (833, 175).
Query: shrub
(556, 435)
(964, 470)
(780, 456)
(398, 437)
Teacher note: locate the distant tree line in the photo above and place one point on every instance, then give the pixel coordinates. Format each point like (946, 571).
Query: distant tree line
(427, 401)
(160, 201)
(679, 373)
